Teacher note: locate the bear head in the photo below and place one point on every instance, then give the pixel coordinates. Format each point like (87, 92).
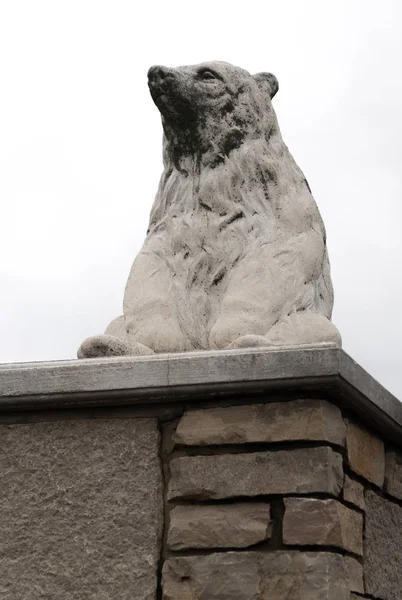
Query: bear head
(209, 110)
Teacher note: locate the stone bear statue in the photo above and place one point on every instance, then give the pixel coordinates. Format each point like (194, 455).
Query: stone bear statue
(235, 254)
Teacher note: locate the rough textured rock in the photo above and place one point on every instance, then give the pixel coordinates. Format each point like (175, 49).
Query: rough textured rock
(221, 526)
(313, 522)
(354, 570)
(393, 474)
(302, 471)
(256, 576)
(80, 510)
(312, 420)
(382, 548)
(353, 492)
(366, 455)
(235, 253)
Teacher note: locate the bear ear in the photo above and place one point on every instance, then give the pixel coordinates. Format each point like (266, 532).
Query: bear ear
(268, 80)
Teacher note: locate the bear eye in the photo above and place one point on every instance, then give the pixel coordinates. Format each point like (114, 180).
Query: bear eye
(208, 75)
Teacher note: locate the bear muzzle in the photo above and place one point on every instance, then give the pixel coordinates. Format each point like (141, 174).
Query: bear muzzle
(160, 81)
(170, 92)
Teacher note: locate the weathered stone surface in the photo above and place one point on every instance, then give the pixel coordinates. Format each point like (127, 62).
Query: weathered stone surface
(256, 576)
(366, 454)
(315, 420)
(382, 548)
(235, 253)
(393, 474)
(302, 470)
(353, 492)
(310, 522)
(221, 526)
(354, 570)
(80, 510)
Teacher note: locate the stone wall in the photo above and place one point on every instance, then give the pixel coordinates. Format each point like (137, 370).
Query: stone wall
(280, 500)
(80, 510)
(200, 477)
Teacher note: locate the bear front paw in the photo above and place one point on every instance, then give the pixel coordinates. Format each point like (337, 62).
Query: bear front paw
(99, 346)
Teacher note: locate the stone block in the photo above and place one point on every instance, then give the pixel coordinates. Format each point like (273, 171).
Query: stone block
(256, 576)
(314, 522)
(220, 526)
(366, 455)
(307, 420)
(354, 570)
(80, 510)
(393, 474)
(301, 471)
(382, 548)
(353, 492)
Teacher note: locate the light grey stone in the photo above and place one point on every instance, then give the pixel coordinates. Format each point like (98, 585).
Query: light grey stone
(354, 570)
(109, 345)
(102, 379)
(301, 471)
(219, 526)
(365, 453)
(393, 474)
(136, 380)
(235, 253)
(314, 522)
(310, 420)
(256, 576)
(382, 548)
(353, 492)
(80, 510)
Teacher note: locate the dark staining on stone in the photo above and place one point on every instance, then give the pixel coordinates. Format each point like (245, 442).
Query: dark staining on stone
(228, 107)
(239, 120)
(268, 134)
(206, 206)
(263, 177)
(232, 219)
(234, 139)
(271, 173)
(308, 187)
(219, 276)
(236, 260)
(218, 160)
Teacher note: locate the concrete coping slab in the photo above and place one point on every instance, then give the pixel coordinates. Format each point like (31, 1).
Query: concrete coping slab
(190, 376)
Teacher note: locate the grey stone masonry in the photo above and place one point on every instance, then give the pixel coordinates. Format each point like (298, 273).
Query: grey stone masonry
(353, 492)
(393, 474)
(191, 376)
(305, 419)
(221, 526)
(383, 544)
(366, 455)
(354, 570)
(314, 522)
(273, 462)
(302, 470)
(256, 576)
(80, 509)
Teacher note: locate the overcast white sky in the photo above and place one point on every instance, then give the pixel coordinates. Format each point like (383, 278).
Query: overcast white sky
(80, 152)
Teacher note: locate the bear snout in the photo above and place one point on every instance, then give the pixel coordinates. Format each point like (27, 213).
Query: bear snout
(161, 82)
(158, 74)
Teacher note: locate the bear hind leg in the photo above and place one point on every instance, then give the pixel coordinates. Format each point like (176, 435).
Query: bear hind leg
(303, 327)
